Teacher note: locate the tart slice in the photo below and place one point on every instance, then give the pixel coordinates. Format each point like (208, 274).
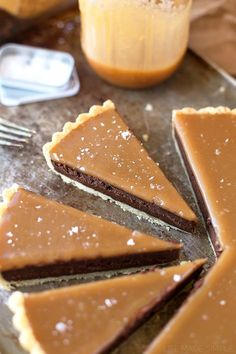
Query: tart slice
(207, 143)
(95, 317)
(206, 323)
(42, 238)
(98, 153)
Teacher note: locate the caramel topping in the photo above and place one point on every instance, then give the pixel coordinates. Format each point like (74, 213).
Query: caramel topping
(206, 323)
(134, 78)
(88, 318)
(209, 141)
(38, 231)
(103, 146)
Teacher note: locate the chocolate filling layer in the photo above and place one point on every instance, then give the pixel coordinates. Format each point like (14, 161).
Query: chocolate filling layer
(199, 197)
(90, 265)
(124, 197)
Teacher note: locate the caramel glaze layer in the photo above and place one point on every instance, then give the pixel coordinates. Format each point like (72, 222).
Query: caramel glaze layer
(137, 79)
(206, 323)
(40, 237)
(93, 318)
(103, 147)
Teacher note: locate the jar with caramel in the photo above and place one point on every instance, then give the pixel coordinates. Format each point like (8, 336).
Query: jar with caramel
(134, 43)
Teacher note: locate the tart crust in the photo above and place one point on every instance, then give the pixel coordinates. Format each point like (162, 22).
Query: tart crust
(21, 323)
(70, 126)
(208, 110)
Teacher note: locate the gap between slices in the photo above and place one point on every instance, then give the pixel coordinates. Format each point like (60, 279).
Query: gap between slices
(95, 317)
(42, 238)
(206, 323)
(98, 153)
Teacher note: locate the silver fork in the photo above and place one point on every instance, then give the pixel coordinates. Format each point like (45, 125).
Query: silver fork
(14, 135)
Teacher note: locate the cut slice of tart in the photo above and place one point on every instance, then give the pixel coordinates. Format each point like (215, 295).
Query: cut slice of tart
(207, 143)
(98, 153)
(42, 238)
(95, 317)
(206, 323)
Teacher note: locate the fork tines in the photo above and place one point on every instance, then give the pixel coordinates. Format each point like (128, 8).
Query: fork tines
(14, 135)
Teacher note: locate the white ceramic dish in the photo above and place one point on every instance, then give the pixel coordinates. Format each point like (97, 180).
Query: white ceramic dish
(14, 97)
(34, 69)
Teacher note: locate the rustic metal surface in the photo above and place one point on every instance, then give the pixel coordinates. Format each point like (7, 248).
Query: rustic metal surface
(195, 84)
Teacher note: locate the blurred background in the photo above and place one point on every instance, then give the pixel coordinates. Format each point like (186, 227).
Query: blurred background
(213, 25)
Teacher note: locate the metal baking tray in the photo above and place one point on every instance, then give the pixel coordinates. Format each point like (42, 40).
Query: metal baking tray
(195, 84)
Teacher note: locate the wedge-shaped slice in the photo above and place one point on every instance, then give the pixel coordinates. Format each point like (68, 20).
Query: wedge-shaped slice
(42, 238)
(207, 142)
(93, 318)
(206, 321)
(98, 153)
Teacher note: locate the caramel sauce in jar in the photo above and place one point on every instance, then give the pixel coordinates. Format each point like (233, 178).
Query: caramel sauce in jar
(134, 43)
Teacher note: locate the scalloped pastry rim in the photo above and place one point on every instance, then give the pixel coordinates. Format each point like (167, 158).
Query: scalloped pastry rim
(206, 110)
(22, 324)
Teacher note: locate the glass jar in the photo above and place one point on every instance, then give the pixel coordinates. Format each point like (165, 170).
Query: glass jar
(134, 43)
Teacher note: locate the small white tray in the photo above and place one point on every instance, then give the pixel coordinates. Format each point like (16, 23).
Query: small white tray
(14, 97)
(35, 69)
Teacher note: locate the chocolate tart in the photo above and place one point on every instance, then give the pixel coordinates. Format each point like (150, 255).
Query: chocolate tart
(95, 317)
(206, 140)
(99, 154)
(41, 238)
(206, 322)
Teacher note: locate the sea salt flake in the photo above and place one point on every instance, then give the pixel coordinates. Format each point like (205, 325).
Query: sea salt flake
(86, 245)
(222, 302)
(110, 302)
(126, 135)
(131, 242)
(39, 219)
(177, 278)
(73, 230)
(217, 152)
(9, 234)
